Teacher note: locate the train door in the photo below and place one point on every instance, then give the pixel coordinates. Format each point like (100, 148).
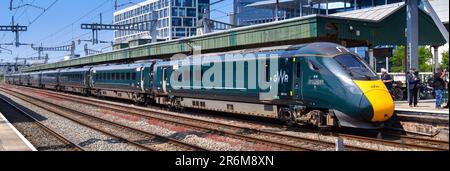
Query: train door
(141, 80)
(90, 78)
(151, 75)
(164, 80)
(298, 76)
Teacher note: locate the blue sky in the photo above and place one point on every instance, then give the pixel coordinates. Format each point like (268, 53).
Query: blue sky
(60, 24)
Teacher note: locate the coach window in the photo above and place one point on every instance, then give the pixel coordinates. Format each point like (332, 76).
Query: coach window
(128, 76)
(104, 76)
(122, 76)
(109, 76)
(133, 76)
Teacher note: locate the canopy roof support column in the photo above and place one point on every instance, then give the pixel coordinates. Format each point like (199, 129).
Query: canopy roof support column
(412, 34)
(435, 58)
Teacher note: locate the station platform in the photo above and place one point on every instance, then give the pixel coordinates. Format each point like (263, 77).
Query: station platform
(11, 139)
(423, 107)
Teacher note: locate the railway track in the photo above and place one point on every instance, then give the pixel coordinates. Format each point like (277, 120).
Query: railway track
(283, 141)
(142, 139)
(71, 146)
(404, 142)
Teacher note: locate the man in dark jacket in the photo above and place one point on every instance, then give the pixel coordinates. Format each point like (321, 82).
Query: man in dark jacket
(413, 88)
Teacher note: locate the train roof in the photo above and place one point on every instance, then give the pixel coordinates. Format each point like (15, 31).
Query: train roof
(50, 72)
(74, 70)
(121, 66)
(322, 49)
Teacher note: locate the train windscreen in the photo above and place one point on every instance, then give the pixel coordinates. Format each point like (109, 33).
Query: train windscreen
(357, 69)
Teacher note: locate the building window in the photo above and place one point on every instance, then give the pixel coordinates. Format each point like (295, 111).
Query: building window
(191, 12)
(187, 22)
(182, 12)
(193, 31)
(188, 3)
(177, 3)
(176, 21)
(174, 12)
(180, 32)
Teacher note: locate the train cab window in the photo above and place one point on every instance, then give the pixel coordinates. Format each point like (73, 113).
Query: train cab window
(128, 76)
(355, 67)
(298, 69)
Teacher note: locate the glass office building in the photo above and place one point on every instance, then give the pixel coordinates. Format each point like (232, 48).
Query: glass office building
(175, 19)
(248, 12)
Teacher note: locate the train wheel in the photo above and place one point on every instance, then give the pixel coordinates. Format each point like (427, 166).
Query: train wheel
(287, 115)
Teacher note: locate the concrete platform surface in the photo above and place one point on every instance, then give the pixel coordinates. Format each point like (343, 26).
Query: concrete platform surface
(11, 139)
(424, 106)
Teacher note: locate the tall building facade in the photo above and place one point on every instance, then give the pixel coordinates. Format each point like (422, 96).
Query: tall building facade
(248, 12)
(175, 19)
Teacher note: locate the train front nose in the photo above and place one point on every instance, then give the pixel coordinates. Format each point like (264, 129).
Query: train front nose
(376, 103)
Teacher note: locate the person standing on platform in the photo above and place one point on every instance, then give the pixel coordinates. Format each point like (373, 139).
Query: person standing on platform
(438, 84)
(413, 82)
(387, 80)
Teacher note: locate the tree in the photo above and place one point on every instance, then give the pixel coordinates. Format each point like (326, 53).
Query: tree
(398, 59)
(425, 58)
(399, 62)
(444, 63)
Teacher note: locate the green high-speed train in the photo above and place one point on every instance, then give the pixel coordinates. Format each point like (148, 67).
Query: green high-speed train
(322, 84)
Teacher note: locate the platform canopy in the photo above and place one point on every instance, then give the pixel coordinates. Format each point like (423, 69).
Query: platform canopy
(380, 25)
(384, 25)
